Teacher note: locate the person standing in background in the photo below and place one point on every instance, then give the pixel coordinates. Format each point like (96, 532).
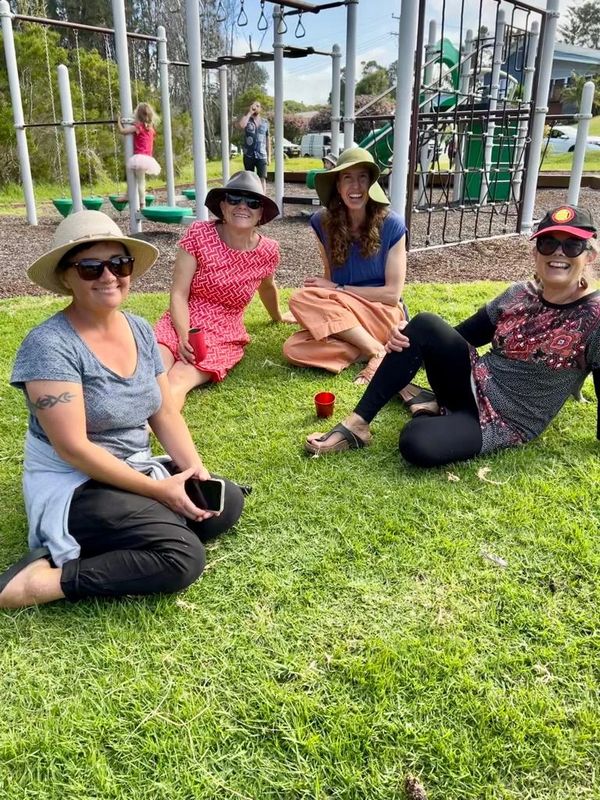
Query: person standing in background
(257, 145)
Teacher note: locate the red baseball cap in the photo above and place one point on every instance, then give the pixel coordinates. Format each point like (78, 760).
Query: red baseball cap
(570, 219)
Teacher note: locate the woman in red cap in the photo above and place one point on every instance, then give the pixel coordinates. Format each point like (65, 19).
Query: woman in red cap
(545, 338)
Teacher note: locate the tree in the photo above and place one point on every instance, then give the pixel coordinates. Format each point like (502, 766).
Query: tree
(583, 25)
(294, 127)
(374, 79)
(572, 93)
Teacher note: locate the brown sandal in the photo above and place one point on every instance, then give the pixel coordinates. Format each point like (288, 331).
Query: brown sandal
(350, 442)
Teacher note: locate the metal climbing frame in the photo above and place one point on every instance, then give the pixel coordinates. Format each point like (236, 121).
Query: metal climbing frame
(472, 117)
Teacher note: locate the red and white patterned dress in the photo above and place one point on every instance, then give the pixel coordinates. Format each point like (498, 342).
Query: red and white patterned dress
(222, 287)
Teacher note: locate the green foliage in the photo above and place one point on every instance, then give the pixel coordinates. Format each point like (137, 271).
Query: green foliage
(573, 91)
(583, 25)
(375, 79)
(244, 100)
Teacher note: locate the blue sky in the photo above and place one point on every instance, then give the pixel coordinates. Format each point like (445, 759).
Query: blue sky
(310, 79)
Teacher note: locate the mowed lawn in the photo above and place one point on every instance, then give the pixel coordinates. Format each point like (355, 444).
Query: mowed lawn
(365, 621)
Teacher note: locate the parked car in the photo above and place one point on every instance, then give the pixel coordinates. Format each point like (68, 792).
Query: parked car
(562, 140)
(290, 149)
(233, 150)
(316, 145)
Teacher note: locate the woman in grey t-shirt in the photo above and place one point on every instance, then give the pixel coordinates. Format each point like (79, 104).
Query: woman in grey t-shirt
(106, 518)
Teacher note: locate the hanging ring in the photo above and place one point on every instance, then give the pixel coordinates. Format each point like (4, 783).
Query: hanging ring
(242, 19)
(300, 31)
(221, 13)
(263, 22)
(282, 25)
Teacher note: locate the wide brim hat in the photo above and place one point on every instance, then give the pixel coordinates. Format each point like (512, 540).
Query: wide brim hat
(325, 182)
(250, 184)
(569, 219)
(87, 227)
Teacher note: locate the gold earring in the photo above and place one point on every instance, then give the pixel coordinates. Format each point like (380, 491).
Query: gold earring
(583, 284)
(537, 278)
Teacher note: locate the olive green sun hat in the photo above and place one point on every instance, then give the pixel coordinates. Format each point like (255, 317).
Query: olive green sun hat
(325, 181)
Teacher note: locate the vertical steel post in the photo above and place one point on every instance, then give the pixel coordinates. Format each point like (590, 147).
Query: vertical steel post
(17, 109)
(66, 107)
(529, 70)
(278, 90)
(539, 115)
(194, 46)
(336, 58)
(165, 107)
(486, 177)
(584, 117)
(349, 92)
(461, 140)
(122, 57)
(224, 113)
(407, 42)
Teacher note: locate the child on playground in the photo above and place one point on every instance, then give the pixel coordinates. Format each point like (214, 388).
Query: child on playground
(142, 162)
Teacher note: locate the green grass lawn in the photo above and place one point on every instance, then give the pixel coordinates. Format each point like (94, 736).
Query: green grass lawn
(350, 631)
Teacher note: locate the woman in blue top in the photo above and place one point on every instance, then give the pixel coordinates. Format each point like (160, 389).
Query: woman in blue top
(347, 314)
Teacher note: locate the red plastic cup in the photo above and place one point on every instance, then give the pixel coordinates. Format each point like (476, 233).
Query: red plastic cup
(196, 339)
(324, 403)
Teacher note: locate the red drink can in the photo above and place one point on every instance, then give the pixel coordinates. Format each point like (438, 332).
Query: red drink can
(196, 339)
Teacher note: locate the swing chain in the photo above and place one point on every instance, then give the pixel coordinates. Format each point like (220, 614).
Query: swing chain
(300, 31)
(242, 19)
(263, 22)
(221, 13)
(109, 62)
(83, 111)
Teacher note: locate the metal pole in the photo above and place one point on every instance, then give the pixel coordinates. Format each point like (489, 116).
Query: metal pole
(484, 189)
(584, 117)
(407, 42)
(122, 57)
(17, 109)
(336, 58)
(426, 151)
(278, 89)
(529, 70)
(66, 106)
(539, 115)
(349, 93)
(460, 148)
(194, 46)
(165, 107)
(225, 155)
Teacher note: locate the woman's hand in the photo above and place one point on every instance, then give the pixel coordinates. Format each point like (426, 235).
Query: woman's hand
(318, 282)
(185, 349)
(171, 493)
(398, 341)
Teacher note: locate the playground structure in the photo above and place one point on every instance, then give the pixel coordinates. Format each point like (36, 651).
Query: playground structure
(476, 90)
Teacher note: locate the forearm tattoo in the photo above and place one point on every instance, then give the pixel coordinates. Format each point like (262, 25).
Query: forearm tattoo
(50, 400)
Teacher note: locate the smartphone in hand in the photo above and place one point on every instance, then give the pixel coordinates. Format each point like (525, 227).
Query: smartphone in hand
(208, 495)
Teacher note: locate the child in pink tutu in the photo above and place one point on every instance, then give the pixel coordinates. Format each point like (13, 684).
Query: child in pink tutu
(142, 162)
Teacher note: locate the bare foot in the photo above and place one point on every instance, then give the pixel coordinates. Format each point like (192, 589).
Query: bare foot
(36, 583)
(365, 375)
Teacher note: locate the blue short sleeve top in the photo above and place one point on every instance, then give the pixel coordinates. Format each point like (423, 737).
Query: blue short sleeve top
(359, 271)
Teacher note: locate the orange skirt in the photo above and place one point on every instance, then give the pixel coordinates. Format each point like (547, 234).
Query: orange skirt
(325, 312)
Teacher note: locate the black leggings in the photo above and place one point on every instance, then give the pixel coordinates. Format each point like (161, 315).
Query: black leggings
(444, 353)
(133, 545)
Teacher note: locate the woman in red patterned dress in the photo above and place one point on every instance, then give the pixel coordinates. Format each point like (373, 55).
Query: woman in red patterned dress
(219, 267)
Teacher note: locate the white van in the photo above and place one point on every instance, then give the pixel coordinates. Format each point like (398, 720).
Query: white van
(316, 145)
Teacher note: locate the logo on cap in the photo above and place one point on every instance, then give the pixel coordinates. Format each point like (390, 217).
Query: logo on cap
(563, 215)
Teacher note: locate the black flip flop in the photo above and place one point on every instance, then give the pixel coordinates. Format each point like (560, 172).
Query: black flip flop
(424, 396)
(33, 555)
(354, 441)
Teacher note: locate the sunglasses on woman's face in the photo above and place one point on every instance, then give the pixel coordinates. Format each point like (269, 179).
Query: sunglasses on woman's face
(90, 269)
(235, 199)
(572, 247)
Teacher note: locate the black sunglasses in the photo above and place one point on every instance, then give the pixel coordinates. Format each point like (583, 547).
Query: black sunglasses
(90, 269)
(572, 247)
(236, 199)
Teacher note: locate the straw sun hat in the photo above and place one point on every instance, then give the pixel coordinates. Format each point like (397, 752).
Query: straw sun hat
(325, 182)
(245, 182)
(87, 227)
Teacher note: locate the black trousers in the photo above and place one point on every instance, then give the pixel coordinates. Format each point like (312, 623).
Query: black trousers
(133, 545)
(444, 353)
